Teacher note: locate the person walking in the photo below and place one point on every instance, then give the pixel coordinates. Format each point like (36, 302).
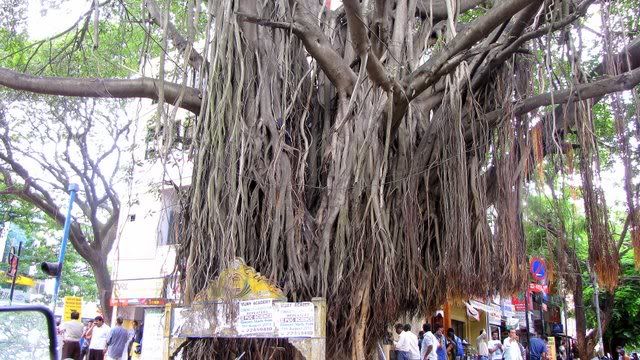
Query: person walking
(402, 345)
(98, 333)
(429, 344)
(117, 341)
(537, 348)
(135, 339)
(407, 344)
(414, 349)
(84, 340)
(71, 334)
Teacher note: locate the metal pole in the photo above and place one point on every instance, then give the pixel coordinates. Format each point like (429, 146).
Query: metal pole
(542, 314)
(526, 312)
(564, 313)
(15, 274)
(73, 189)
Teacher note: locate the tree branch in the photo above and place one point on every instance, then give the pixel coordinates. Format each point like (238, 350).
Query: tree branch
(580, 92)
(424, 77)
(624, 81)
(102, 88)
(362, 46)
(317, 45)
(437, 10)
(179, 41)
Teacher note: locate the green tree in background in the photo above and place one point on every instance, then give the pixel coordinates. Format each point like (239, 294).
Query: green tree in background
(555, 228)
(42, 243)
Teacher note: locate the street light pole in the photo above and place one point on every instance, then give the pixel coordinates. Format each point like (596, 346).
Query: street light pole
(73, 189)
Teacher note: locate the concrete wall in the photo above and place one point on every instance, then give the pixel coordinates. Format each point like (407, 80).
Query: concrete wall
(139, 251)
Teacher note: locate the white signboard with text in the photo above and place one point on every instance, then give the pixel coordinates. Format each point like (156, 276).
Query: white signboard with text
(250, 318)
(153, 334)
(294, 319)
(255, 317)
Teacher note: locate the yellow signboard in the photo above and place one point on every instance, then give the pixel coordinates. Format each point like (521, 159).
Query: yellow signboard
(551, 354)
(21, 280)
(72, 303)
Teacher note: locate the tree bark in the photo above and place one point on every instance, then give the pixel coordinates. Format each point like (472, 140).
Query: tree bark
(105, 284)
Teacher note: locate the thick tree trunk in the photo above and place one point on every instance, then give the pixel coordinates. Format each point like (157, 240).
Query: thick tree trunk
(104, 283)
(585, 347)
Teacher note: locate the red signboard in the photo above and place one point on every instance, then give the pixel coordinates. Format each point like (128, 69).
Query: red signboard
(519, 302)
(539, 288)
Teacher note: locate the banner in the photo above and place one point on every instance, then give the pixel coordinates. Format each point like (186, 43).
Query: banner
(72, 303)
(255, 317)
(249, 318)
(294, 319)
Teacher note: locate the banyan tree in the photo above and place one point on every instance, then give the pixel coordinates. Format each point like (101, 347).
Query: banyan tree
(375, 154)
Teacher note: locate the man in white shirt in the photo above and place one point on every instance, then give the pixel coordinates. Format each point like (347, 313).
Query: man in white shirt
(483, 346)
(99, 334)
(511, 346)
(407, 344)
(429, 344)
(71, 333)
(495, 346)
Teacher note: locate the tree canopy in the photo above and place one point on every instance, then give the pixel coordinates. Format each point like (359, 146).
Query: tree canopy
(375, 154)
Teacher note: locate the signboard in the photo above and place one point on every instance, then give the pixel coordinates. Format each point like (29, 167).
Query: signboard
(507, 308)
(541, 288)
(522, 320)
(249, 318)
(153, 335)
(294, 319)
(538, 268)
(495, 318)
(138, 289)
(551, 346)
(21, 280)
(480, 305)
(255, 317)
(241, 302)
(519, 302)
(140, 302)
(71, 303)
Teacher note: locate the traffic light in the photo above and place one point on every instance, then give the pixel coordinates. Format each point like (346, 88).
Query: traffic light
(51, 268)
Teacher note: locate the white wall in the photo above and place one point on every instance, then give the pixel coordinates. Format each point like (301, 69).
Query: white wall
(137, 253)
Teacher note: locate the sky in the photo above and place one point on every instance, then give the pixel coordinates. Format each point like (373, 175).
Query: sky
(44, 22)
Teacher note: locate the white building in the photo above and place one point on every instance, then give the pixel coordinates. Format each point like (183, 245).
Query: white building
(143, 256)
